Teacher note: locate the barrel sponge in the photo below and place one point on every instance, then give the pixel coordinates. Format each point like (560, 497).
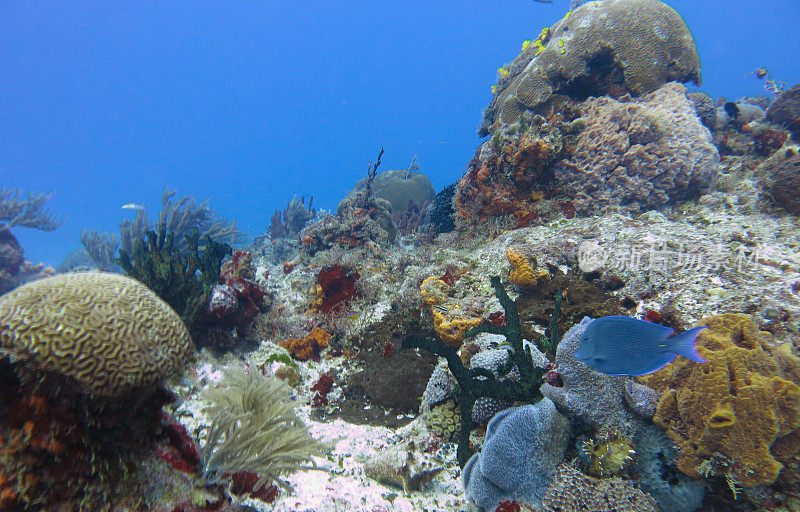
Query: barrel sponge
(632, 46)
(639, 153)
(107, 331)
(731, 416)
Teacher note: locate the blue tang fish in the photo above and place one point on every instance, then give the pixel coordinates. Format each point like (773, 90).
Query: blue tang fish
(621, 345)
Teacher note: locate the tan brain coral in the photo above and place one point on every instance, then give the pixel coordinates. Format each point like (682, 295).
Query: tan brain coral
(632, 46)
(107, 331)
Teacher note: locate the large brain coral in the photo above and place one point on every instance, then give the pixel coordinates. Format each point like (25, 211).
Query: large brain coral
(737, 415)
(632, 46)
(639, 153)
(107, 331)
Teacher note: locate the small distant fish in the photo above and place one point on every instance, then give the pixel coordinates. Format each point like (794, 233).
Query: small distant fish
(441, 309)
(620, 345)
(508, 346)
(732, 109)
(133, 206)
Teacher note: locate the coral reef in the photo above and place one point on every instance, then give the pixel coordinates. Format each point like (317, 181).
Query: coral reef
(237, 277)
(444, 420)
(399, 186)
(309, 346)
(729, 416)
(607, 455)
(523, 448)
(780, 177)
(705, 107)
(181, 218)
(336, 288)
(27, 213)
(402, 465)
(254, 428)
(184, 280)
(522, 273)
(295, 216)
(639, 153)
(442, 214)
(360, 220)
(512, 172)
(106, 331)
(572, 491)
(477, 383)
(596, 49)
(101, 248)
(785, 110)
(62, 449)
(11, 260)
(586, 394)
(657, 475)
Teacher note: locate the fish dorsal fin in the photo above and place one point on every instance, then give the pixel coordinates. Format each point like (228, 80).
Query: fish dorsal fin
(684, 344)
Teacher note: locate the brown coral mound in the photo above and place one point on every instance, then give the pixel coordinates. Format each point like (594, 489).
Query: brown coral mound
(780, 176)
(733, 415)
(614, 46)
(109, 332)
(573, 491)
(639, 153)
(785, 110)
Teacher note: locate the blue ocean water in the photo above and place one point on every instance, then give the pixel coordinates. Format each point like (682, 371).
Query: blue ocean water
(249, 103)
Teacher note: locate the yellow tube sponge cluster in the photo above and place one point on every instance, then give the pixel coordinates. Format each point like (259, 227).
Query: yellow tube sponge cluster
(738, 415)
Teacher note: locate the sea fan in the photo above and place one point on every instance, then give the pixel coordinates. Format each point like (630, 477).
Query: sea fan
(254, 428)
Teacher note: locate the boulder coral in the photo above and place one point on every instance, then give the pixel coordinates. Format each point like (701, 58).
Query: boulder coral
(600, 48)
(639, 154)
(106, 331)
(738, 415)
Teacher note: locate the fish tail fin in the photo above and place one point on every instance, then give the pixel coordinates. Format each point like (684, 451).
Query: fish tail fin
(683, 344)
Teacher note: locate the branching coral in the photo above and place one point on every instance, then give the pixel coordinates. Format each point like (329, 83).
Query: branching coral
(181, 218)
(183, 280)
(27, 213)
(254, 428)
(479, 382)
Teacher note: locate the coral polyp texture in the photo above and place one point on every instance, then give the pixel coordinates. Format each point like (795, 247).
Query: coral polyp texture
(639, 153)
(109, 332)
(736, 416)
(614, 46)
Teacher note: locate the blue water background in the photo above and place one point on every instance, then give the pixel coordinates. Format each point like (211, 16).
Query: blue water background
(249, 102)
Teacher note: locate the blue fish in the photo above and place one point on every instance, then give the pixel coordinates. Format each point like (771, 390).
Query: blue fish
(620, 345)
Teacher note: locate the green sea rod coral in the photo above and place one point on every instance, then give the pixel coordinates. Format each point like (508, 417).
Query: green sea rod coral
(254, 428)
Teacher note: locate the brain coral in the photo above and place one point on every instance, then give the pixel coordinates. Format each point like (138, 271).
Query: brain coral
(107, 331)
(639, 153)
(617, 46)
(732, 415)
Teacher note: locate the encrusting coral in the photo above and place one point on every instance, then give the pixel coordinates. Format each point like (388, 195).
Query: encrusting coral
(572, 491)
(639, 153)
(309, 346)
(107, 331)
(522, 274)
(736, 416)
(619, 46)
